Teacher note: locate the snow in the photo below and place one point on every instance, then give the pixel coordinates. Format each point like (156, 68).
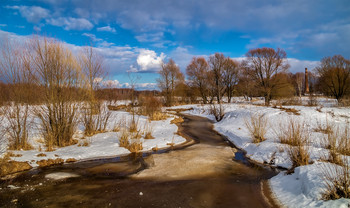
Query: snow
(305, 186)
(106, 144)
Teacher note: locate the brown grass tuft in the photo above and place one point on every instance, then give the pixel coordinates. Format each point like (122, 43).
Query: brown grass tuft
(49, 162)
(296, 135)
(71, 160)
(177, 120)
(257, 127)
(41, 155)
(337, 181)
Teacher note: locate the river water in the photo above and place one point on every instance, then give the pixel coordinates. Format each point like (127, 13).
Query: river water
(204, 173)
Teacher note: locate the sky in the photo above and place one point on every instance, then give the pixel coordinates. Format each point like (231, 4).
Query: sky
(135, 36)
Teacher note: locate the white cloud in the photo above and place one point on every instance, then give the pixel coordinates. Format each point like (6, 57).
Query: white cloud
(32, 13)
(3, 25)
(297, 65)
(71, 23)
(138, 86)
(147, 61)
(107, 29)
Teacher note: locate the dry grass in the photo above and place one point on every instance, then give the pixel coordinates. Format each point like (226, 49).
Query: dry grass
(49, 162)
(41, 155)
(296, 135)
(177, 120)
(325, 129)
(337, 180)
(71, 160)
(124, 138)
(9, 167)
(257, 127)
(148, 131)
(116, 108)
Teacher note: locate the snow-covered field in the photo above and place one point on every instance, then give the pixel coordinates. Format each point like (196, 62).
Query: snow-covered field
(101, 145)
(305, 186)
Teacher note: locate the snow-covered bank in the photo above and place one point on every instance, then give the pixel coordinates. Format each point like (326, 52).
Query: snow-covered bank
(304, 187)
(103, 144)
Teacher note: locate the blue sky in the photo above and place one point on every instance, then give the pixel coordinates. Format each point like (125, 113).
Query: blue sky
(136, 35)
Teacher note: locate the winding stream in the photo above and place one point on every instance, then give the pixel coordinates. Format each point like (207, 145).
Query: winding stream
(202, 174)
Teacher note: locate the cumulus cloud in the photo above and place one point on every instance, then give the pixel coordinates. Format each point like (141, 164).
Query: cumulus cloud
(71, 23)
(297, 65)
(32, 13)
(147, 61)
(107, 29)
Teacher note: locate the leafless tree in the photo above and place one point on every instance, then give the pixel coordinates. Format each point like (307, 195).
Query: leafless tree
(59, 73)
(95, 114)
(170, 77)
(197, 72)
(263, 64)
(230, 76)
(298, 79)
(15, 71)
(334, 76)
(217, 64)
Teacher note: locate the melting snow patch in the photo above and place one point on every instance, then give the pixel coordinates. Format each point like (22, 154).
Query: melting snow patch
(61, 175)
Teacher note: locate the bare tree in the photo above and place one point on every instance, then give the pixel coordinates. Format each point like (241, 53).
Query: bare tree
(15, 71)
(298, 79)
(263, 65)
(197, 72)
(217, 64)
(170, 77)
(59, 73)
(95, 113)
(230, 76)
(334, 76)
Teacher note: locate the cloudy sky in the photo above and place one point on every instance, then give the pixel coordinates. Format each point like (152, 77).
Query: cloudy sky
(136, 35)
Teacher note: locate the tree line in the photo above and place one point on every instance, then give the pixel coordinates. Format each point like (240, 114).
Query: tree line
(263, 73)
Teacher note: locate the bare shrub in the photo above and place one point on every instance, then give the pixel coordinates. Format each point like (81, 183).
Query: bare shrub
(151, 106)
(218, 111)
(16, 72)
(95, 118)
(58, 73)
(337, 180)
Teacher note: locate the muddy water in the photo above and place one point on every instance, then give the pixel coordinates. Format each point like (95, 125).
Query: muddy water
(204, 174)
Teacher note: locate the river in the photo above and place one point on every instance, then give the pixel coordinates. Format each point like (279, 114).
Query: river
(204, 173)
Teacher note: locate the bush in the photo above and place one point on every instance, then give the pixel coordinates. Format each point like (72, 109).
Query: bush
(218, 111)
(257, 127)
(151, 106)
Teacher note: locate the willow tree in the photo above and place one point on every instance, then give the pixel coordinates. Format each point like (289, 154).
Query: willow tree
(95, 114)
(59, 73)
(334, 76)
(16, 73)
(263, 64)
